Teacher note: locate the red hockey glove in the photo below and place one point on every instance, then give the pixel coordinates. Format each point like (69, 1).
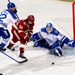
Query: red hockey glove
(26, 38)
(30, 33)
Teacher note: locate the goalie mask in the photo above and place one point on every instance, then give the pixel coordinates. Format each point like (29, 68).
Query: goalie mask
(49, 27)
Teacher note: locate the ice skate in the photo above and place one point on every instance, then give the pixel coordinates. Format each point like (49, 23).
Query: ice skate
(2, 49)
(22, 56)
(58, 53)
(11, 48)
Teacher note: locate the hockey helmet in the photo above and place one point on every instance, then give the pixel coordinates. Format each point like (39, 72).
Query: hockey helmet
(10, 5)
(31, 18)
(49, 27)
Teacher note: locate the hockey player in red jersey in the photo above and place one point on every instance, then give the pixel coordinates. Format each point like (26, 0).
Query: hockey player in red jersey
(22, 32)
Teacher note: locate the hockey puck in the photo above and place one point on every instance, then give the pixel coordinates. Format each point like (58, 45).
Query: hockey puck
(53, 63)
(1, 74)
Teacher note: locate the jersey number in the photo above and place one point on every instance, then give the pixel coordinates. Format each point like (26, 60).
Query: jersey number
(2, 16)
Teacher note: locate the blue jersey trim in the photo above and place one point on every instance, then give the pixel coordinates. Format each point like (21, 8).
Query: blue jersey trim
(12, 14)
(4, 25)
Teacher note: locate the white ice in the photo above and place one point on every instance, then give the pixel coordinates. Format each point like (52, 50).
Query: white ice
(39, 60)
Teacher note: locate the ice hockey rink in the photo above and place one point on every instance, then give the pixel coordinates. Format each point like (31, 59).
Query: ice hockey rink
(59, 13)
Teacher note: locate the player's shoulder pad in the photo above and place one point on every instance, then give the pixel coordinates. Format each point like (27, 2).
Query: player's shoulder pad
(43, 29)
(55, 31)
(12, 14)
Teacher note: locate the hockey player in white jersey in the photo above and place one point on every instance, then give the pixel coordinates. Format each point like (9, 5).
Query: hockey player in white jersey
(54, 38)
(51, 39)
(6, 17)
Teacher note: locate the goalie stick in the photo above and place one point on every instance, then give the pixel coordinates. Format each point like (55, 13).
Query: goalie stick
(14, 58)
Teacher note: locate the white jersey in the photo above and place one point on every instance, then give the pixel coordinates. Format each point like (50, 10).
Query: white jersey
(50, 38)
(7, 17)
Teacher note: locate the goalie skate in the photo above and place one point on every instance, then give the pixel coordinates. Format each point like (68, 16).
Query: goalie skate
(58, 53)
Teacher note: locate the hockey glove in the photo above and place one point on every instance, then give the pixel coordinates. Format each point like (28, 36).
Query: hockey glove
(26, 38)
(15, 11)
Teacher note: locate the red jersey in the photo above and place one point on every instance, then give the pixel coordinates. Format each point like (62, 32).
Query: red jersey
(23, 28)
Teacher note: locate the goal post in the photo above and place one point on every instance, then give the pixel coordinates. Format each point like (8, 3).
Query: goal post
(73, 14)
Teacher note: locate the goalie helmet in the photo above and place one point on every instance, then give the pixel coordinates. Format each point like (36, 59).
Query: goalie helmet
(31, 18)
(10, 5)
(49, 27)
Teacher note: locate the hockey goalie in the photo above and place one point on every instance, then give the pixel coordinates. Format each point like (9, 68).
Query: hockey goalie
(49, 37)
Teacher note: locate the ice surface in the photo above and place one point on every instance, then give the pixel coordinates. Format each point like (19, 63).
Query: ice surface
(39, 59)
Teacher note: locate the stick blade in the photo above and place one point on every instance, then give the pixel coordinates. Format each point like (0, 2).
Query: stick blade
(20, 62)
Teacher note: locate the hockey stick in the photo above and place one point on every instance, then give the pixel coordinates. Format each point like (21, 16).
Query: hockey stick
(13, 58)
(18, 17)
(16, 14)
(9, 1)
